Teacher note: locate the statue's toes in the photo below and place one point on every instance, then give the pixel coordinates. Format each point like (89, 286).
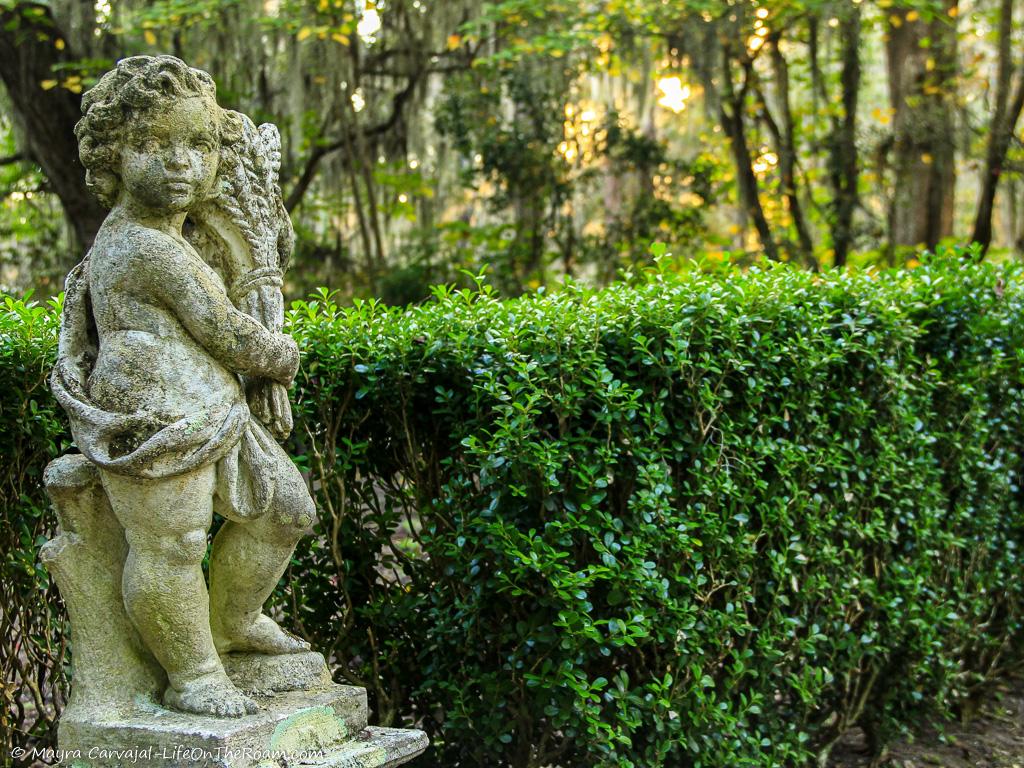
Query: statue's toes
(239, 705)
(215, 696)
(294, 643)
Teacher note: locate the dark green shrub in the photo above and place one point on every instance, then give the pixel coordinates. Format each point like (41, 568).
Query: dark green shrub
(695, 521)
(32, 431)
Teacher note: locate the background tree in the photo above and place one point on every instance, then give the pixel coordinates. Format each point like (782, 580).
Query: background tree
(1005, 114)
(32, 49)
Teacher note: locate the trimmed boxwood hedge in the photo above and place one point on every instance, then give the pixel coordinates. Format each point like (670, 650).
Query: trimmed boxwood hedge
(32, 646)
(696, 520)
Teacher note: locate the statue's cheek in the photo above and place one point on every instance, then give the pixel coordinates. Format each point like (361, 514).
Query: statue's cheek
(105, 183)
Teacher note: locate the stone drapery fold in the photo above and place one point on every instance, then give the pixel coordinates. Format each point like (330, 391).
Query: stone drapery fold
(140, 444)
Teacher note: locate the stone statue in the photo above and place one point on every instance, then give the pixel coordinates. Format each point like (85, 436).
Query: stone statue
(173, 370)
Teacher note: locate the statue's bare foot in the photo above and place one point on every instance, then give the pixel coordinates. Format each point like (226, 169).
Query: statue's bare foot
(212, 694)
(260, 636)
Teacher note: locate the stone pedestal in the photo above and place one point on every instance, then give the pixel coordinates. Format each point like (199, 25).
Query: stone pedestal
(114, 717)
(317, 729)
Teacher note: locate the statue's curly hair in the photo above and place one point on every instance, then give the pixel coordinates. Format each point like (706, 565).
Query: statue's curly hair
(138, 84)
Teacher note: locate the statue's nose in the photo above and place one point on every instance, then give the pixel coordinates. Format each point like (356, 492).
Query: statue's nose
(177, 157)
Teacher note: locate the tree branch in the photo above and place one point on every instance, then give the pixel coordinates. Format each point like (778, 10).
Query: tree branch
(320, 151)
(398, 102)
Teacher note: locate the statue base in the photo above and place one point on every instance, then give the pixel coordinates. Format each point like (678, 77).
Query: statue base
(313, 729)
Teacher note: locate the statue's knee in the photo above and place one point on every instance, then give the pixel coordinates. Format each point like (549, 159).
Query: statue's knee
(295, 512)
(303, 515)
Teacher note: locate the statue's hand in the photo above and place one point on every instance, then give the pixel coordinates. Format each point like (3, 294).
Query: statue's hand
(269, 403)
(281, 412)
(258, 294)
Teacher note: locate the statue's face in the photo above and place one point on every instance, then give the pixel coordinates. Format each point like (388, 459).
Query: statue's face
(169, 161)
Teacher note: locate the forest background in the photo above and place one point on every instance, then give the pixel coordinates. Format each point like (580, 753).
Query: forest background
(536, 139)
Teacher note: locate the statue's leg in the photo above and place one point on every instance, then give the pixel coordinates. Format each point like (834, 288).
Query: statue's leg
(248, 559)
(166, 524)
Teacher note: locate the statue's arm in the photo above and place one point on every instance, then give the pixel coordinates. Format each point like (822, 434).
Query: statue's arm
(233, 338)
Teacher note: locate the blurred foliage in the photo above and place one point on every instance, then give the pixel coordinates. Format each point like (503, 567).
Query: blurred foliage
(705, 520)
(32, 231)
(545, 140)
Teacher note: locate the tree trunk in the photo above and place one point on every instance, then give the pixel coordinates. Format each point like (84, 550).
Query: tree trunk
(1004, 119)
(1011, 214)
(785, 140)
(46, 117)
(731, 109)
(814, 59)
(843, 160)
(922, 93)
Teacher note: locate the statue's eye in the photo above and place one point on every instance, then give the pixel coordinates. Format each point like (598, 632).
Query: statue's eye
(146, 143)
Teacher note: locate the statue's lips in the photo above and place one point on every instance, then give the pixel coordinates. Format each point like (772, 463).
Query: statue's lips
(179, 185)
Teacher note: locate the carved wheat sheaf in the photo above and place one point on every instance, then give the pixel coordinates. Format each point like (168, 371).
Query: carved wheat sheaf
(250, 193)
(254, 256)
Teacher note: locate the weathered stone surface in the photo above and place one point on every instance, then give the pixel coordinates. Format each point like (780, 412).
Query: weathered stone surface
(110, 666)
(174, 371)
(259, 673)
(310, 720)
(376, 748)
(327, 728)
(322, 729)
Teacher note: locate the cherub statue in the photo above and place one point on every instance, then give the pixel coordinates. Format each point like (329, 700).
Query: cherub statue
(174, 372)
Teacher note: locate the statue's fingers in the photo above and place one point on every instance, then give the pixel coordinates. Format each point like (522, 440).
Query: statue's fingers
(281, 403)
(282, 411)
(261, 405)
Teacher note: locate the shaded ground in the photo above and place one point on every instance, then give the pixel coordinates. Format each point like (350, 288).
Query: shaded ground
(994, 739)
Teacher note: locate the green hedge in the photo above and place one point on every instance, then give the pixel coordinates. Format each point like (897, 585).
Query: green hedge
(32, 647)
(693, 521)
